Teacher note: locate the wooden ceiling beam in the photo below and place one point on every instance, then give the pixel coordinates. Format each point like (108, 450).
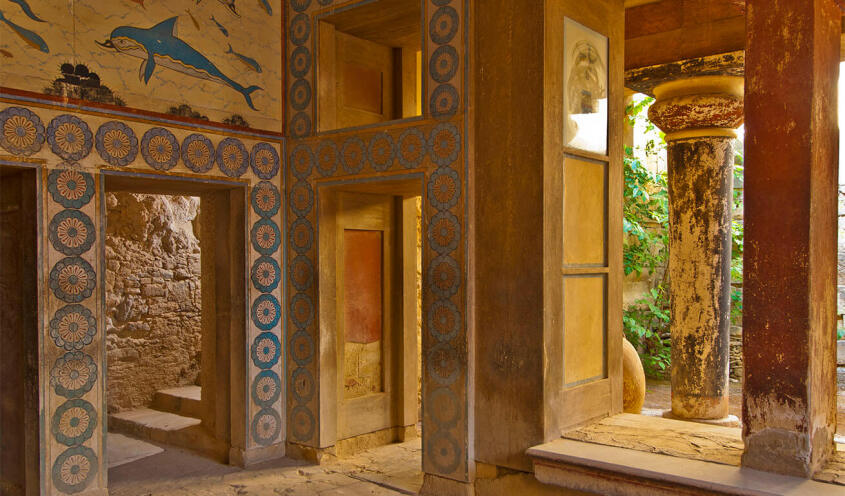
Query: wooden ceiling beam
(667, 31)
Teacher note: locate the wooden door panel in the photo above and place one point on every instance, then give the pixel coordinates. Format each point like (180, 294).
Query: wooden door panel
(364, 334)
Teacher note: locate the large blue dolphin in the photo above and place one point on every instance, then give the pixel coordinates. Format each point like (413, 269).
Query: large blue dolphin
(159, 45)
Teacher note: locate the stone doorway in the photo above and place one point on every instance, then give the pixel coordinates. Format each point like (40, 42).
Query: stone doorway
(19, 431)
(175, 316)
(370, 307)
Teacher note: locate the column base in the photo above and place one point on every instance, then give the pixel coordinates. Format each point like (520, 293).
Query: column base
(434, 485)
(729, 421)
(245, 458)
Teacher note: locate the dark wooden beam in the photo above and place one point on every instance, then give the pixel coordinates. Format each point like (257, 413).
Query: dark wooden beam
(671, 30)
(645, 79)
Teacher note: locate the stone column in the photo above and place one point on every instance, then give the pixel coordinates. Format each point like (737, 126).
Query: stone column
(699, 116)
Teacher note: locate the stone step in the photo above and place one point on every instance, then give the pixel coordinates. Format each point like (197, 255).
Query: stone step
(184, 401)
(168, 428)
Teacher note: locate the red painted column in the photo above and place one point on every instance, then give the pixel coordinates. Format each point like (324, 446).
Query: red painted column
(791, 155)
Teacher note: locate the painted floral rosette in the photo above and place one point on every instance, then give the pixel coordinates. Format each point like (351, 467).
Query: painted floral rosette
(160, 149)
(198, 153)
(21, 131)
(265, 161)
(266, 199)
(70, 137)
(116, 143)
(70, 188)
(71, 232)
(232, 157)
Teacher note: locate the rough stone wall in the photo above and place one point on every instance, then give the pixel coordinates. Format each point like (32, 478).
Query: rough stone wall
(153, 299)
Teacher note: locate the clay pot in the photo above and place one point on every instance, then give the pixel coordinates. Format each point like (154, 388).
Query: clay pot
(633, 379)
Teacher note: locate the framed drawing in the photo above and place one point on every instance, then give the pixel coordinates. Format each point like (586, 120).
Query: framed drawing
(585, 88)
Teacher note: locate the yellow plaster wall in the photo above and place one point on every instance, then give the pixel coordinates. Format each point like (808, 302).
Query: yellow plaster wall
(32, 53)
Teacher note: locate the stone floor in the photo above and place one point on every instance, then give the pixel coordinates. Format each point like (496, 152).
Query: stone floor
(658, 396)
(388, 470)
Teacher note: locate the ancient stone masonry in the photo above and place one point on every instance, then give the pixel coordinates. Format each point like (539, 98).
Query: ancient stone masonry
(153, 296)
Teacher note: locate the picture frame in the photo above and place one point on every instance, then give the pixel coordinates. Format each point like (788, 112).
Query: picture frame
(585, 88)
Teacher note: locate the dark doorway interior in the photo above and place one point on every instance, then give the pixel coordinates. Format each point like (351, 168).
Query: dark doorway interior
(18, 332)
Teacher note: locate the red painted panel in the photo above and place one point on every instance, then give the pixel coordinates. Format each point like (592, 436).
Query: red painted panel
(363, 88)
(362, 286)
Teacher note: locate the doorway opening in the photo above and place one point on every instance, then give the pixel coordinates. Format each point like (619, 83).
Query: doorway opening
(19, 426)
(175, 316)
(370, 269)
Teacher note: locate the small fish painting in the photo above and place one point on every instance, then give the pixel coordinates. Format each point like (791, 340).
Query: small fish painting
(250, 63)
(27, 10)
(159, 45)
(139, 2)
(265, 4)
(220, 27)
(193, 19)
(31, 38)
(230, 4)
(6, 53)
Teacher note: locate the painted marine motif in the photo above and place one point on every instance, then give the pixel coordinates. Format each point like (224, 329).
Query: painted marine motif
(193, 19)
(159, 45)
(220, 27)
(139, 2)
(31, 38)
(27, 10)
(230, 4)
(247, 61)
(265, 4)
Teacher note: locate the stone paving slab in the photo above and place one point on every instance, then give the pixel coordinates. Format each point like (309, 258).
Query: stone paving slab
(123, 449)
(388, 470)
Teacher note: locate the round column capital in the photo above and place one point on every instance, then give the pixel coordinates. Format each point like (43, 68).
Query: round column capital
(709, 106)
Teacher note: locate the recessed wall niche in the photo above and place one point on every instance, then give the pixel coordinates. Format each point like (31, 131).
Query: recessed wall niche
(369, 64)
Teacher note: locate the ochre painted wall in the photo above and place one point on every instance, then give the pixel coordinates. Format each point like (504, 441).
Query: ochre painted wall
(208, 58)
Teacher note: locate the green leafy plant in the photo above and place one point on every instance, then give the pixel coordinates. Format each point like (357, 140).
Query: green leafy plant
(737, 243)
(646, 249)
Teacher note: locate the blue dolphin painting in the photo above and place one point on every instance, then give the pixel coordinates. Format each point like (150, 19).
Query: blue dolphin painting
(159, 45)
(251, 63)
(27, 10)
(26, 35)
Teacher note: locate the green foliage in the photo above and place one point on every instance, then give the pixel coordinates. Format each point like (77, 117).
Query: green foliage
(645, 219)
(646, 325)
(646, 250)
(737, 242)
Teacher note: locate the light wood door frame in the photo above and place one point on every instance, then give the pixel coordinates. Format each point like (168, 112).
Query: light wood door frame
(573, 402)
(404, 378)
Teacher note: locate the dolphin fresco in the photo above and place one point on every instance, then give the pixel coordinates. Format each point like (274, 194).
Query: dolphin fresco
(220, 27)
(26, 35)
(251, 63)
(159, 45)
(266, 6)
(230, 4)
(27, 10)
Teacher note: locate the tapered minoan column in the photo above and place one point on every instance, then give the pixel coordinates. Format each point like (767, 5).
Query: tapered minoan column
(699, 116)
